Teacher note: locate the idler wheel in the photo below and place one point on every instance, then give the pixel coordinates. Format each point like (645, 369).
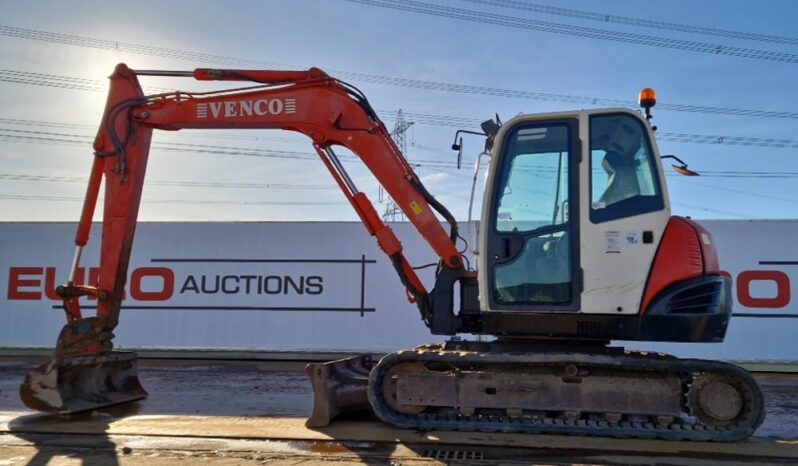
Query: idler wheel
(389, 389)
(715, 400)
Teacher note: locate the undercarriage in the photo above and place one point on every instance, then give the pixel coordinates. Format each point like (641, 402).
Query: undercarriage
(582, 390)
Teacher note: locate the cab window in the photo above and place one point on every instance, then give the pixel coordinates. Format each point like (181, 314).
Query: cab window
(532, 204)
(623, 181)
(533, 187)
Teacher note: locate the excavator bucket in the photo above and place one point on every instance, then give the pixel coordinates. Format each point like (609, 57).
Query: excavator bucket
(339, 387)
(82, 383)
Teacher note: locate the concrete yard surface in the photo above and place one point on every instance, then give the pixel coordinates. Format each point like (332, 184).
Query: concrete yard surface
(253, 412)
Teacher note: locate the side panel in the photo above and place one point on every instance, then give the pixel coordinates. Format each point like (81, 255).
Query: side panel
(615, 262)
(762, 260)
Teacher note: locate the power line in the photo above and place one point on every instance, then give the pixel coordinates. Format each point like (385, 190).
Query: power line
(738, 191)
(702, 208)
(24, 197)
(47, 137)
(46, 178)
(47, 124)
(28, 198)
(217, 60)
(81, 41)
(171, 183)
(717, 211)
(443, 167)
(63, 82)
(578, 31)
(460, 122)
(630, 21)
(41, 137)
(204, 135)
(728, 140)
(747, 174)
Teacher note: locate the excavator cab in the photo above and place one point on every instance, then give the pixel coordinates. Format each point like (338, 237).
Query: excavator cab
(575, 219)
(577, 241)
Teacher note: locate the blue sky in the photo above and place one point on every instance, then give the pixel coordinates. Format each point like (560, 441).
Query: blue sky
(52, 92)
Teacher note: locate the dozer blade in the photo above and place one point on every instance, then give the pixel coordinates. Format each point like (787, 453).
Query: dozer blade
(69, 385)
(339, 387)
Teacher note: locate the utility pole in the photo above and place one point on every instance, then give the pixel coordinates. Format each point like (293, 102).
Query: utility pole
(392, 211)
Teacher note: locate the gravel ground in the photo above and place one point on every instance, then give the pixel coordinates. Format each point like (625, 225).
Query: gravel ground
(280, 389)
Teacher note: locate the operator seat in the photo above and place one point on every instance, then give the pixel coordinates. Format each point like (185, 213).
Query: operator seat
(622, 180)
(623, 141)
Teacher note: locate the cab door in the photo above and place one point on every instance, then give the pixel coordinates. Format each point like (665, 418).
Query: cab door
(531, 215)
(626, 210)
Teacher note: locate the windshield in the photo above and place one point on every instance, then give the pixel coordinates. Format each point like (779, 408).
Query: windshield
(533, 186)
(532, 212)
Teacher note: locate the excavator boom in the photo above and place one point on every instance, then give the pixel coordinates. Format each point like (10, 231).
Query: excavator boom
(330, 112)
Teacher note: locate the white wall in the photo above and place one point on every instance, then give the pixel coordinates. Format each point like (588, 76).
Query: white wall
(335, 265)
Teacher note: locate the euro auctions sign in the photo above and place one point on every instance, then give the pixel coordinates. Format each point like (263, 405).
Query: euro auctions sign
(265, 286)
(327, 287)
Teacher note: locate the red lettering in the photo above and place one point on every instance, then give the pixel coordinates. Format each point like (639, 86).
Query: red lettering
(50, 282)
(782, 298)
(15, 282)
(166, 291)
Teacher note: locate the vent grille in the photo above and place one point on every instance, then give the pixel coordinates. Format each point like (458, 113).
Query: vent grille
(701, 299)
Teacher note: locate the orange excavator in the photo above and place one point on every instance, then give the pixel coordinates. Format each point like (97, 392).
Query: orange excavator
(577, 247)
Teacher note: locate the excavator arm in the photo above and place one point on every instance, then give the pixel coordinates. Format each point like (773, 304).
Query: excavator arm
(330, 112)
(310, 102)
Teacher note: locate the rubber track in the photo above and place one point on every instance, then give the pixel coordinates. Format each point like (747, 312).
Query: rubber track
(681, 428)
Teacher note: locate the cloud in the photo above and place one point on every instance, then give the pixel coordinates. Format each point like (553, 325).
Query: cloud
(435, 178)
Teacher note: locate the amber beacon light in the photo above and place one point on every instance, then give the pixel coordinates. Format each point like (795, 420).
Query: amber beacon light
(647, 99)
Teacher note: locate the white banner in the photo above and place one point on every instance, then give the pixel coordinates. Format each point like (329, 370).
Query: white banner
(327, 287)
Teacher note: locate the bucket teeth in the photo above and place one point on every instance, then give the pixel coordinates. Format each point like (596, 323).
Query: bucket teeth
(74, 384)
(339, 387)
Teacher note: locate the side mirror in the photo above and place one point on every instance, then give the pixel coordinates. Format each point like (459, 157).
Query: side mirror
(458, 143)
(685, 171)
(681, 169)
(459, 152)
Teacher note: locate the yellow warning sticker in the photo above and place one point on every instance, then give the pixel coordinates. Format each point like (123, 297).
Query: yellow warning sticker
(415, 208)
